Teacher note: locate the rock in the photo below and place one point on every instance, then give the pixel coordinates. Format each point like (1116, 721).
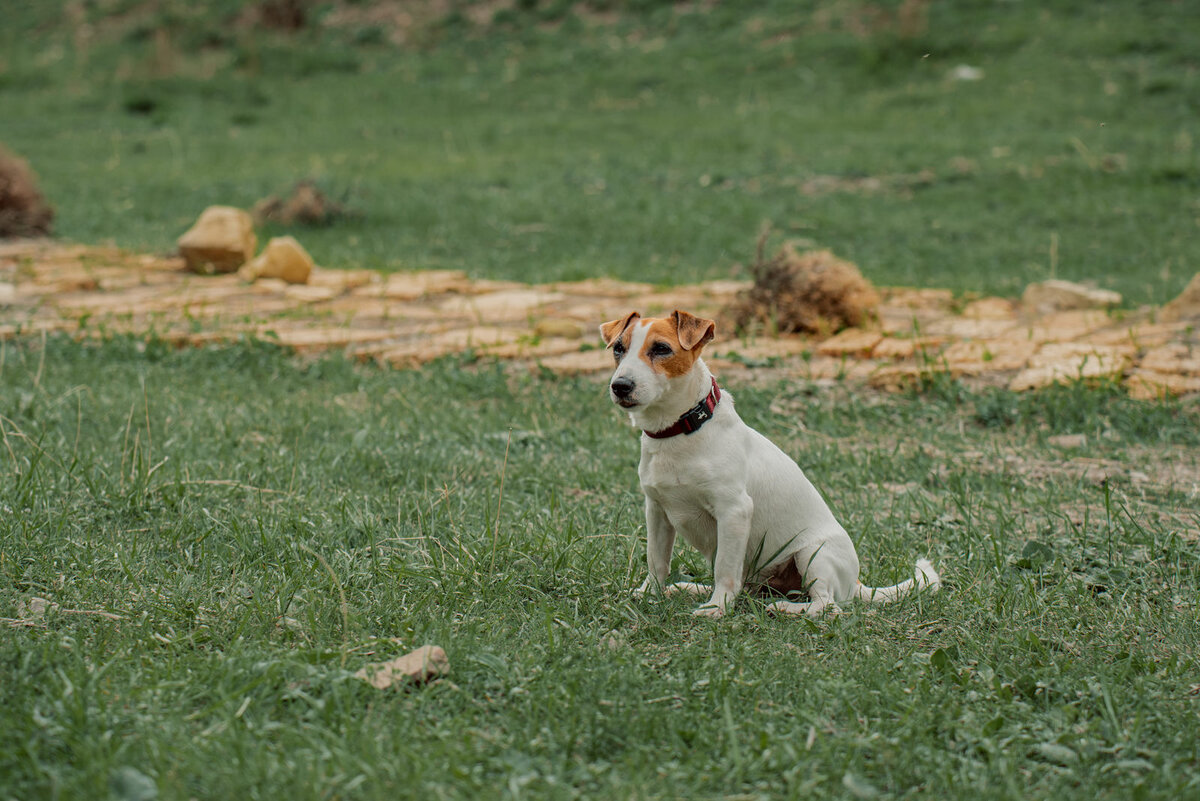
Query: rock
(1056, 295)
(1186, 306)
(220, 241)
(284, 258)
(850, 342)
(558, 327)
(426, 663)
(1067, 441)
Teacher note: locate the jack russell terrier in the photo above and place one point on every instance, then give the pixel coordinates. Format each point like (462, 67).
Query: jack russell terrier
(731, 493)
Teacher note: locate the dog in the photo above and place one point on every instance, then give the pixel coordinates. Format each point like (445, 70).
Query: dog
(728, 490)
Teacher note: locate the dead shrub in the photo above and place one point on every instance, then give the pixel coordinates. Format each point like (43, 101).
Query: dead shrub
(23, 210)
(305, 205)
(811, 292)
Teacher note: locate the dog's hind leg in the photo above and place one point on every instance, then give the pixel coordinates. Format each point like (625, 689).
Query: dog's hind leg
(821, 602)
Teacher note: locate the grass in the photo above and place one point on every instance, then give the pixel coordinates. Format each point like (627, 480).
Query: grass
(225, 535)
(222, 502)
(652, 144)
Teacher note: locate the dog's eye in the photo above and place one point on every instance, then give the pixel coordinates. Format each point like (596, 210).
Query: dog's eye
(661, 349)
(618, 350)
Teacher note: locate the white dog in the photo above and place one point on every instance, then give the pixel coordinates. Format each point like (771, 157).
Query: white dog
(726, 488)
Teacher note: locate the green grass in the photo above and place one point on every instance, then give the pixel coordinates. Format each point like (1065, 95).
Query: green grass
(201, 494)
(264, 526)
(654, 147)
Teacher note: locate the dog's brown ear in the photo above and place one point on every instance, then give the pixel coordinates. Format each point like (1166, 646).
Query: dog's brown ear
(693, 332)
(614, 328)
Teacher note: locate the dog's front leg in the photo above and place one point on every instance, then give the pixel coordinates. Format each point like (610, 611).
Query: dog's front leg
(729, 564)
(660, 540)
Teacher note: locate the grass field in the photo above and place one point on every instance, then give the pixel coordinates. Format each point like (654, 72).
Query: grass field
(224, 536)
(649, 143)
(225, 503)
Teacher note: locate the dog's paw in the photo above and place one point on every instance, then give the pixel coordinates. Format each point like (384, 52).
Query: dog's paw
(709, 610)
(686, 588)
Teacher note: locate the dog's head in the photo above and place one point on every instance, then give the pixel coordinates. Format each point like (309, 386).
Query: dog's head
(651, 353)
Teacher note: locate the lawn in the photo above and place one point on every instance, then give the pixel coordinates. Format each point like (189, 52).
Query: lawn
(265, 527)
(650, 144)
(221, 537)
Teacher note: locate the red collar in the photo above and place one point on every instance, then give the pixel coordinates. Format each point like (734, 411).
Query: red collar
(693, 418)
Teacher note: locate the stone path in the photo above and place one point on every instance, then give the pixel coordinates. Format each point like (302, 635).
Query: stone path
(406, 319)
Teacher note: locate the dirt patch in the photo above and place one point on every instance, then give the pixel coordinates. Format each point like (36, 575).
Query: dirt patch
(811, 292)
(23, 210)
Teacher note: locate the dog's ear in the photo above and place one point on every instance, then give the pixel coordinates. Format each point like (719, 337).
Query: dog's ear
(614, 328)
(693, 332)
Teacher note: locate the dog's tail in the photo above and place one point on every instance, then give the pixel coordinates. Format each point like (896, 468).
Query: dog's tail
(925, 578)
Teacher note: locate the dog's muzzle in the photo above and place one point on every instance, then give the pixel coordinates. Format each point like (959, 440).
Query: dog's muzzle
(622, 392)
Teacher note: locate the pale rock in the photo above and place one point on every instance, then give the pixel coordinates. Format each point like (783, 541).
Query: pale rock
(1067, 441)
(420, 666)
(1186, 306)
(558, 327)
(1058, 295)
(850, 342)
(282, 258)
(220, 241)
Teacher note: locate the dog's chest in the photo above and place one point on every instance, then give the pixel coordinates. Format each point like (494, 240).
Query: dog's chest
(681, 486)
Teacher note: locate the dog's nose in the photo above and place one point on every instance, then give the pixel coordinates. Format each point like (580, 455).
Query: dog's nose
(622, 387)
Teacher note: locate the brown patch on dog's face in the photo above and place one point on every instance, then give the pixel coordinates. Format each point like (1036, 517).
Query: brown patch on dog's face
(673, 344)
(613, 329)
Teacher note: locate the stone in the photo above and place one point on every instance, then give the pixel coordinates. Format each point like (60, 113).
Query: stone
(1186, 306)
(505, 306)
(896, 348)
(558, 327)
(417, 667)
(1058, 295)
(1173, 358)
(1064, 362)
(851, 342)
(973, 358)
(416, 285)
(901, 377)
(990, 309)
(1154, 385)
(282, 258)
(1068, 441)
(221, 240)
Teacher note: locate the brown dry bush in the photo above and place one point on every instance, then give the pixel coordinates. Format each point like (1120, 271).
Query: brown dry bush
(306, 205)
(23, 210)
(811, 292)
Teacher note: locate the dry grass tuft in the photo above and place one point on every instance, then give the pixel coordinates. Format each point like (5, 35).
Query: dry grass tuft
(306, 205)
(23, 210)
(812, 292)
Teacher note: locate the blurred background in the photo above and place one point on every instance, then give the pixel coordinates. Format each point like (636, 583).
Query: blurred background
(971, 144)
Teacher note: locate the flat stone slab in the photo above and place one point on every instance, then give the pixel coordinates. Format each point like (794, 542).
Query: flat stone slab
(407, 319)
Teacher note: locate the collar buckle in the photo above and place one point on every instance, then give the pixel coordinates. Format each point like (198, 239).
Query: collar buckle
(693, 418)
